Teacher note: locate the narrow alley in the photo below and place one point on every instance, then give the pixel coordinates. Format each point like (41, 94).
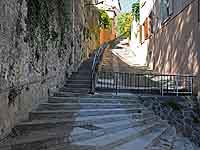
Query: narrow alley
(99, 75)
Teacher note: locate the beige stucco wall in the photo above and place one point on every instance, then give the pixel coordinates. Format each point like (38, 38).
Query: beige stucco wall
(175, 47)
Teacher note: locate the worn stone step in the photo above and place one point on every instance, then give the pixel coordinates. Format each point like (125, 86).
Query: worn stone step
(77, 106)
(125, 135)
(164, 140)
(80, 77)
(86, 66)
(88, 99)
(83, 113)
(138, 142)
(70, 94)
(77, 85)
(111, 96)
(40, 115)
(74, 89)
(71, 147)
(41, 124)
(77, 81)
(111, 140)
(48, 138)
(82, 72)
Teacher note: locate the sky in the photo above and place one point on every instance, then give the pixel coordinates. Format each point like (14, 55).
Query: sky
(127, 5)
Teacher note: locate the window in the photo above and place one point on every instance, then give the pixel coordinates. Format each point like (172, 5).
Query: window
(166, 9)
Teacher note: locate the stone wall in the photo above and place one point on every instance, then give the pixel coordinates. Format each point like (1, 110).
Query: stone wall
(41, 43)
(181, 112)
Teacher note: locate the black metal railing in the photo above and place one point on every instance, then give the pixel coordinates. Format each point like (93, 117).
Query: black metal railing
(98, 59)
(145, 83)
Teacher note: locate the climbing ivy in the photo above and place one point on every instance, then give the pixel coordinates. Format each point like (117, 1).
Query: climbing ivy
(38, 19)
(41, 31)
(105, 21)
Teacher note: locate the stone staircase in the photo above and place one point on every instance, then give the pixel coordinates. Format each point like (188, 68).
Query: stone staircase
(73, 120)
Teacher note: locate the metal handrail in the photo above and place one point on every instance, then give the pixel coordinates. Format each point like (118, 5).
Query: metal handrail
(149, 83)
(96, 61)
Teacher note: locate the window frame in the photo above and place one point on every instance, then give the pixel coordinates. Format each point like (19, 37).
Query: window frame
(170, 10)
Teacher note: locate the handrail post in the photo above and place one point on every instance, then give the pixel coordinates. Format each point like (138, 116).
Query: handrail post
(162, 85)
(91, 85)
(116, 86)
(191, 78)
(177, 85)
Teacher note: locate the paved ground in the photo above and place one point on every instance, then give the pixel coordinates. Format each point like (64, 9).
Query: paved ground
(120, 58)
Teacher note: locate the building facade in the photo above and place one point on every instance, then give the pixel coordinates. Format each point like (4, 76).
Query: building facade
(170, 31)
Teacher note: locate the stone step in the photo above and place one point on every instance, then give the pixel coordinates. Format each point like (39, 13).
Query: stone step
(77, 85)
(66, 123)
(138, 142)
(88, 99)
(71, 147)
(82, 72)
(111, 129)
(86, 66)
(83, 113)
(74, 89)
(164, 140)
(77, 106)
(69, 94)
(80, 77)
(45, 115)
(125, 135)
(111, 140)
(77, 81)
(44, 139)
(111, 96)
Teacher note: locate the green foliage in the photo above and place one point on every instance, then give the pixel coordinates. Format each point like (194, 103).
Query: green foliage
(136, 11)
(105, 21)
(124, 22)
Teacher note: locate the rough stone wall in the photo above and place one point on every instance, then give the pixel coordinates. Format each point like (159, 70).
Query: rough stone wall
(182, 113)
(41, 43)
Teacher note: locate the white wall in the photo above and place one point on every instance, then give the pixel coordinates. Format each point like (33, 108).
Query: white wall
(146, 9)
